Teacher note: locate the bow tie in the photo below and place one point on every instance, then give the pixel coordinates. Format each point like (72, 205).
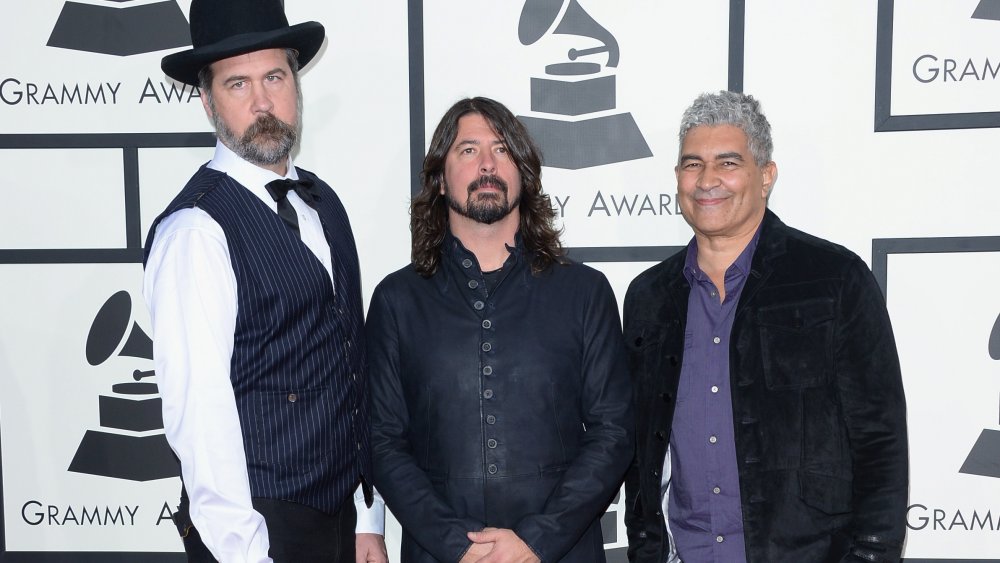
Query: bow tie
(279, 192)
(305, 188)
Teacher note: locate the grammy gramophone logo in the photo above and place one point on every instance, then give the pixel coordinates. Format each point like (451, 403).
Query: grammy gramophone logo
(984, 459)
(574, 125)
(120, 27)
(131, 443)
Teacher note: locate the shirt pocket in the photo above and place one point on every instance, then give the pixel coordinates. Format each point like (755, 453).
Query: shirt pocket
(796, 342)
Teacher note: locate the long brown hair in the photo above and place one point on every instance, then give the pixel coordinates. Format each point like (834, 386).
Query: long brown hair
(429, 210)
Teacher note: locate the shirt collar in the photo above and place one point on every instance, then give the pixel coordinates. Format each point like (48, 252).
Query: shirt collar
(249, 175)
(742, 264)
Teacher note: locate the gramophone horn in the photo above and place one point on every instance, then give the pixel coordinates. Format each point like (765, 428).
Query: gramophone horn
(110, 327)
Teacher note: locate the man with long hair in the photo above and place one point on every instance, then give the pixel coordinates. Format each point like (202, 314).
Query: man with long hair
(501, 419)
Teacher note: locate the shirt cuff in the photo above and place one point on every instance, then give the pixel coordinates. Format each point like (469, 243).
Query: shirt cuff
(370, 520)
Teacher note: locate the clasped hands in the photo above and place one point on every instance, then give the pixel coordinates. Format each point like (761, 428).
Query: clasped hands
(498, 545)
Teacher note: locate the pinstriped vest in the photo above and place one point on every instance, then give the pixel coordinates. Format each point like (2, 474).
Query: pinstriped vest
(299, 369)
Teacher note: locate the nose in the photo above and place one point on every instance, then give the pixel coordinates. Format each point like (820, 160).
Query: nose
(261, 100)
(707, 178)
(487, 163)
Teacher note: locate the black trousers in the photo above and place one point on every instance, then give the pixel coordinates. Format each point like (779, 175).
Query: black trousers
(298, 533)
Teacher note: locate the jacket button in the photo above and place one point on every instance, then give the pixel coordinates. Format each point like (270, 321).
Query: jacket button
(660, 435)
(487, 370)
(665, 397)
(478, 305)
(673, 360)
(656, 473)
(487, 323)
(491, 443)
(487, 346)
(490, 419)
(473, 284)
(659, 513)
(466, 263)
(488, 394)
(492, 469)
(292, 397)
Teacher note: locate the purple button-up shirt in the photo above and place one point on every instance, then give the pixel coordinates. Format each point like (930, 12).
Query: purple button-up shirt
(704, 510)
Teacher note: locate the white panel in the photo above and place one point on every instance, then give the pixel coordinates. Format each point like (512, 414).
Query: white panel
(50, 397)
(952, 394)
(474, 49)
(943, 60)
(62, 198)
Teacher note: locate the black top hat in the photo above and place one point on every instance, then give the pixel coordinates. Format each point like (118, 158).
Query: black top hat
(225, 28)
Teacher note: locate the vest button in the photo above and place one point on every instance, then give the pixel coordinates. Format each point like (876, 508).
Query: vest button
(292, 397)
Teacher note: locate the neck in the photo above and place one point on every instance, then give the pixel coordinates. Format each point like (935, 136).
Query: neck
(280, 169)
(487, 242)
(717, 253)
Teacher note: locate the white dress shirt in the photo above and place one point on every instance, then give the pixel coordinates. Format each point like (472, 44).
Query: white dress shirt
(190, 288)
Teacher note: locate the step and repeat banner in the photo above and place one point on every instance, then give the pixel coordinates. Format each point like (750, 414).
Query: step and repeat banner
(884, 116)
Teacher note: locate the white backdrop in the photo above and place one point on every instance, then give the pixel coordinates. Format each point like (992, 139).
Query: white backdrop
(872, 153)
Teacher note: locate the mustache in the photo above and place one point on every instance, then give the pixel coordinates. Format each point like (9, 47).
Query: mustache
(488, 179)
(713, 193)
(267, 125)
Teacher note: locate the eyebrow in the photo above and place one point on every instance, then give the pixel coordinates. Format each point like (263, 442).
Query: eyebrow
(244, 77)
(477, 143)
(732, 155)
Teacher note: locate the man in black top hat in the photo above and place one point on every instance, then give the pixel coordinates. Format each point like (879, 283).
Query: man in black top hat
(253, 286)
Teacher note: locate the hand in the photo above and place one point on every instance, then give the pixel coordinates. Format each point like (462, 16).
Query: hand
(507, 547)
(370, 548)
(477, 552)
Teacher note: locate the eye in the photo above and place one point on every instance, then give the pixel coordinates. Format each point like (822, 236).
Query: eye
(272, 78)
(237, 85)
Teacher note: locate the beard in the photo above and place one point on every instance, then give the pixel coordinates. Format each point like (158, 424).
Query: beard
(488, 207)
(267, 141)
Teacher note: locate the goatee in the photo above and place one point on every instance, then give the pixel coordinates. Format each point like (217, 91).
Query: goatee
(488, 207)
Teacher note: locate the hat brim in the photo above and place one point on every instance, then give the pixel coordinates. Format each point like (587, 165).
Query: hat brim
(306, 38)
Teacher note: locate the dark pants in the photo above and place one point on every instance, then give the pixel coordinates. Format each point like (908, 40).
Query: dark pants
(297, 533)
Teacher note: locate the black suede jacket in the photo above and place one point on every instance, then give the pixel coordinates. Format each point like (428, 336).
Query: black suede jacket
(818, 405)
(509, 408)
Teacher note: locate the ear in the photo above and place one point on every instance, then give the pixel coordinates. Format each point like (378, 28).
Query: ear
(204, 104)
(769, 173)
(444, 185)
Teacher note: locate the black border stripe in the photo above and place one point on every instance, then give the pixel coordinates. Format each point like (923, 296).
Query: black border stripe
(737, 36)
(90, 557)
(106, 140)
(416, 54)
(622, 253)
(130, 161)
(883, 247)
(71, 256)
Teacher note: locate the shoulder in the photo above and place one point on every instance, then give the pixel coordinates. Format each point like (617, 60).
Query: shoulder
(658, 274)
(402, 280)
(808, 252)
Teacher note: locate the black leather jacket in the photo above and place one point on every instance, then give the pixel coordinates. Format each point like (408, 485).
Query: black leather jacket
(509, 409)
(818, 404)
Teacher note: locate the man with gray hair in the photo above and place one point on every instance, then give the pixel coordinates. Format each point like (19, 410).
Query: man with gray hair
(770, 415)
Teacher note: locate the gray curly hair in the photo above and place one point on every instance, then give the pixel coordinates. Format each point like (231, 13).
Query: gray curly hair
(736, 109)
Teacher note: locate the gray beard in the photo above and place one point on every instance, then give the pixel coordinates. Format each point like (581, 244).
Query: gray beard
(267, 141)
